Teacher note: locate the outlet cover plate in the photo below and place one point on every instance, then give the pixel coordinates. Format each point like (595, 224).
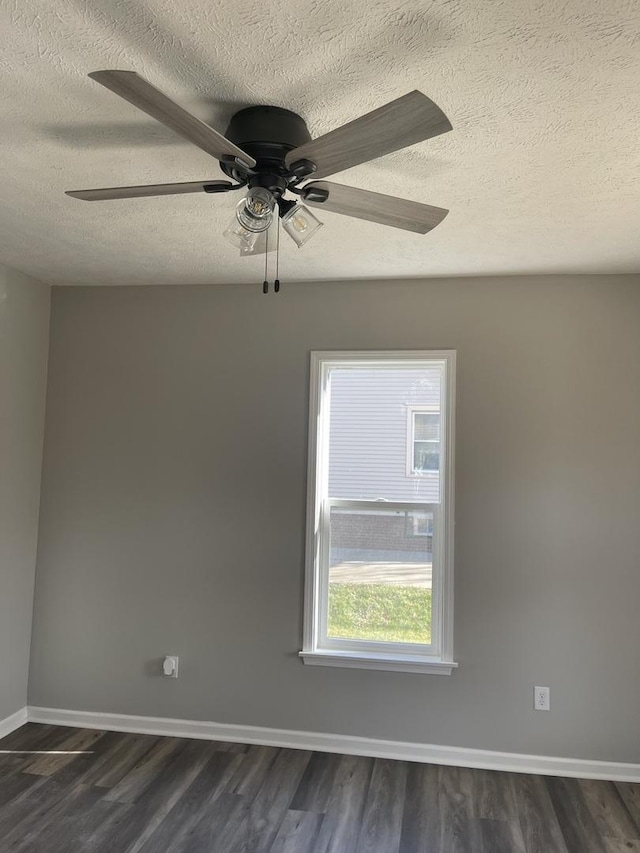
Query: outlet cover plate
(541, 699)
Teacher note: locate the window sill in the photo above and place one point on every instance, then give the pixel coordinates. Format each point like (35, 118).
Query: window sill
(394, 663)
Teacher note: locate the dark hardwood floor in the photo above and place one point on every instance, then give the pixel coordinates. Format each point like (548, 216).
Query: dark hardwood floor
(68, 790)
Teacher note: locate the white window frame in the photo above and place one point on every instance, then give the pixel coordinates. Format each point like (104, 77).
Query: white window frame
(318, 649)
(411, 431)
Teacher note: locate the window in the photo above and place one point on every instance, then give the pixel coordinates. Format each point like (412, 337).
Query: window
(419, 523)
(423, 444)
(379, 583)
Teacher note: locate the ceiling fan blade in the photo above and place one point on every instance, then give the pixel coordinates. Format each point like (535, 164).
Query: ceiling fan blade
(405, 121)
(375, 207)
(151, 190)
(155, 103)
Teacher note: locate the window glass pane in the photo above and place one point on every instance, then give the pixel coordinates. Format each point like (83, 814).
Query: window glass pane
(426, 456)
(426, 426)
(371, 411)
(380, 576)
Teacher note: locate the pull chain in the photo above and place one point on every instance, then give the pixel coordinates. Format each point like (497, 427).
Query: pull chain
(276, 284)
(265, 283)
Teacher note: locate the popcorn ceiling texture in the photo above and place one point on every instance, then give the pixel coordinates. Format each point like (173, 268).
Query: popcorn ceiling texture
(541, 172)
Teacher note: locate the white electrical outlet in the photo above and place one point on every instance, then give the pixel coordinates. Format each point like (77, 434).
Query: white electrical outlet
(170, 666)
(541, 699)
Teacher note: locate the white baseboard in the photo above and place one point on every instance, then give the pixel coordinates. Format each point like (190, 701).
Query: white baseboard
(346, 744)
(10, 724)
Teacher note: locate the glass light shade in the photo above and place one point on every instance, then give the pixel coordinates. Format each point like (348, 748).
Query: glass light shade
(240, 236)
(300, 224)
(254, 214)
(266, 241)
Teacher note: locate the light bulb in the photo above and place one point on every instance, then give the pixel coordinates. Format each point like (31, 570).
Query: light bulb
(258, 205)
(300, 224)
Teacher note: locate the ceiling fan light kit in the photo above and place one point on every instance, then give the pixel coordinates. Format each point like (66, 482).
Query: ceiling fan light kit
(270, 151)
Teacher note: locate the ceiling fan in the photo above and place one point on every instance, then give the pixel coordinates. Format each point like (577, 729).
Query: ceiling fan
(270, 151)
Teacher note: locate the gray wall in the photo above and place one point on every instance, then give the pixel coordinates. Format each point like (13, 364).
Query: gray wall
(24, 335)
(164, 530)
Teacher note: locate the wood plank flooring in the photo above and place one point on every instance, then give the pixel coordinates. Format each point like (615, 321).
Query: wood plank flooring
(66, 790)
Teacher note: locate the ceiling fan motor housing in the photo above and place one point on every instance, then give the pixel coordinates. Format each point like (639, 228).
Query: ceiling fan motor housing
(267, 134)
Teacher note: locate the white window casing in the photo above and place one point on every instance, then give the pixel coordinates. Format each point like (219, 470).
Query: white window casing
(318, 647)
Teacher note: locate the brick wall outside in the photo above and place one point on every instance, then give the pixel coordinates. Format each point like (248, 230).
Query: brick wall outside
(376, 533)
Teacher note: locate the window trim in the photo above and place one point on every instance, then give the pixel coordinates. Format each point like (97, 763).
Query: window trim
(360, 654)
(412, 410)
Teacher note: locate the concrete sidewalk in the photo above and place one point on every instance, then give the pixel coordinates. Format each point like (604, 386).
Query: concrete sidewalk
(393, 574)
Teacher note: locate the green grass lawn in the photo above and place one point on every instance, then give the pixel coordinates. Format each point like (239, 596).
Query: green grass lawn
(380, 612)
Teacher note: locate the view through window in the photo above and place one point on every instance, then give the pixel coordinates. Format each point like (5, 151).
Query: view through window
(380, 504)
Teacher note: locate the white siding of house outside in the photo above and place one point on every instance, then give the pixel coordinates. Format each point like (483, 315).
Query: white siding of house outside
(368, 433)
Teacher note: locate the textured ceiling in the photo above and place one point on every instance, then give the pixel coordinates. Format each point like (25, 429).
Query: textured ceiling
(541, 172)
